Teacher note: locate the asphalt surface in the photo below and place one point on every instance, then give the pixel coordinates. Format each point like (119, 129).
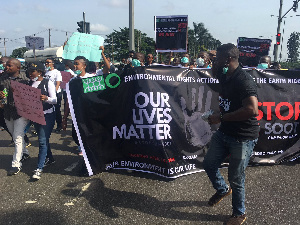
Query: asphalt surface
(62, 197)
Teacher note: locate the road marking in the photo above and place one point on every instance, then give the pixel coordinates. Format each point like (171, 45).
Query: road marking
(72, 166)
(83, 189)
(30, 202)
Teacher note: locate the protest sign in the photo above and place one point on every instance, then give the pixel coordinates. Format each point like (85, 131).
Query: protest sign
(66, 77)
(28, 102)
(171, 33)
(81, 44)
(152, 121)
(36, 43)
(251, 49)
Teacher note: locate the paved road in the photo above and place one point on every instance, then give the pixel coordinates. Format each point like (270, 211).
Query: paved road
(119, 197)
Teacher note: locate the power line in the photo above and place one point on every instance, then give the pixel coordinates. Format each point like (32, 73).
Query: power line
(9, 39)
(16, 39)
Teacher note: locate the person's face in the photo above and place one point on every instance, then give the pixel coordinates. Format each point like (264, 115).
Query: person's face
(49, 63)
(265, 60)
(79, 64)
(34, 73)
(149, 57)
(186, 55)
(203, 56)
(130, 55)
(11, 67)
(220, 60)
(218, 63)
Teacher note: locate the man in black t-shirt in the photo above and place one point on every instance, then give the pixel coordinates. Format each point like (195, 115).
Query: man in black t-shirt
(238, 131)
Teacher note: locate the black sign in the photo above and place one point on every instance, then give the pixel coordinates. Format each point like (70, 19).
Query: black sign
(251, 49)
(171, 33)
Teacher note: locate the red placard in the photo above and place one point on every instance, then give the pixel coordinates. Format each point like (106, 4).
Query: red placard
(28, 102)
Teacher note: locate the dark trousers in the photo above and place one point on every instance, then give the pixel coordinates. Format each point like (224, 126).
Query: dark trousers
(57, 110)
(74, 135)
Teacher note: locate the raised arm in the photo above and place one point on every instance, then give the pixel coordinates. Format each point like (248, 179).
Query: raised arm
(106, 63)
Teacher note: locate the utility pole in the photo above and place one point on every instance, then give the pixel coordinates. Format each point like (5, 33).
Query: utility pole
(4, 47)
(294, 7)
(112, 48)
(131, 25)
(278, 31)
(84, 27)
(49, 39)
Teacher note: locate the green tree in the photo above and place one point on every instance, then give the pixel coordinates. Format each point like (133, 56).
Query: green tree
(117, 43)
(290, 65)
(18, 52)
(293, 45)
(199, 39)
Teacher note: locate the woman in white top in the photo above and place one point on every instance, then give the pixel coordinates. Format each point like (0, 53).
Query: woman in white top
(55, 76)
(48, 97)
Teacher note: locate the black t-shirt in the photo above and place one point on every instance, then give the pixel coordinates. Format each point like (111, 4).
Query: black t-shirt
(233, 91)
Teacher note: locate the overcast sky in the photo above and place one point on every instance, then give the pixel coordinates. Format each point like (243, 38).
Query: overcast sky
(226, 20)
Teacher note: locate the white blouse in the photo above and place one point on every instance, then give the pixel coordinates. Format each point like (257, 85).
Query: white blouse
(52, 94)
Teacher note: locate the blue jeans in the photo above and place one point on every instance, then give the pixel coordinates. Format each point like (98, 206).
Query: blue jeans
(221, 146)
(44, 133)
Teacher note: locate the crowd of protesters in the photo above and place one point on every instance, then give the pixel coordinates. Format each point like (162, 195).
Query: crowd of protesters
(44, 76)
(38, 73)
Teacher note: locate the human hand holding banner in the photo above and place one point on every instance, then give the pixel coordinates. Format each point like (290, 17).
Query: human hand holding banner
(86, 45)
(28, 102)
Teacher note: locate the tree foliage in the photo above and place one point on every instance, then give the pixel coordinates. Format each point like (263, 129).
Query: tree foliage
(117, 43)
(18, 52)
(293, 45)
(290, 65)
(199, 39)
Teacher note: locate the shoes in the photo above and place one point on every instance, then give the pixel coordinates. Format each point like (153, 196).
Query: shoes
(236, 220)
(79, 150)
(216, 198)
(24, 157)
(14, 171)
(48, 162)
(28, 144)
(37, 174)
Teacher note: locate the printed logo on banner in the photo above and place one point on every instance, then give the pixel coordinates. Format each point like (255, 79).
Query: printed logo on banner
(286, 127)
(149, 108)
(98, 83)
(224, 103)
(198, 132)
